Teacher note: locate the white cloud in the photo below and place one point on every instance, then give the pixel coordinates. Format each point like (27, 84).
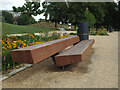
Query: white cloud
(8, 4)
(5, 5)
(116, 1)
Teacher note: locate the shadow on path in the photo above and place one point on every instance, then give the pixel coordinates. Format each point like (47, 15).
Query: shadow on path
(47, 66)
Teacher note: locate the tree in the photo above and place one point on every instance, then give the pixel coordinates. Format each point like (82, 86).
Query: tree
(74, 12)
(97, 9)
(110, 14)
(8, 17)
(3, 19)
(23, 19)
(90, 17)
(118, 16)
(55, 11)
(77, 14)
(80, 13)
(28, 9)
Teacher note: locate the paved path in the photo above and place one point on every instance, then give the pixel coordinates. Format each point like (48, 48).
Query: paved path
(98, 70)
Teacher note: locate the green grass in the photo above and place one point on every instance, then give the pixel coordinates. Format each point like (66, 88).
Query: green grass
(15, 29)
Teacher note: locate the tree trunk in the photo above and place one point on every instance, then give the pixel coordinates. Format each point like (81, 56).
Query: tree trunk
(75, 26)
(89, 28)
(118, 29)
(107, 28)
(55, 24)
(96, 30)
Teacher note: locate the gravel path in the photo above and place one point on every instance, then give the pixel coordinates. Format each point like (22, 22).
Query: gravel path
(98, 70)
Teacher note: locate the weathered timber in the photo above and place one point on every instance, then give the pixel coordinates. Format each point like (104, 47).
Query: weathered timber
(74, 54)
(36, 53)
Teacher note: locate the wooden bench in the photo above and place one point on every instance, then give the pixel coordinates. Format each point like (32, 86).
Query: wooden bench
(36, 53)
(74, 54)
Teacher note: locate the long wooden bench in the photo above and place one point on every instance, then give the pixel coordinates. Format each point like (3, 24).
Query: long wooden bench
(74, 54)
(36, 53)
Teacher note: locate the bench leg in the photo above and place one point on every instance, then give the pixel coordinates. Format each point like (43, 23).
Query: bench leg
(53, 57)
(65, 66)
(62, 67)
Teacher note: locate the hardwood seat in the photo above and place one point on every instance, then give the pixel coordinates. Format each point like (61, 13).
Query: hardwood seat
(36, 53)
(74, 54)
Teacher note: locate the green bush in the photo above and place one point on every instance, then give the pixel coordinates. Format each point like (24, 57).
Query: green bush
(8, 17)
(73, 33)
(3, 19)
(24, 19)
(90, 17)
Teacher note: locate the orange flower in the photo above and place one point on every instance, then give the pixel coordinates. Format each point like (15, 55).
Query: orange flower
(63, 37)
(32, 35)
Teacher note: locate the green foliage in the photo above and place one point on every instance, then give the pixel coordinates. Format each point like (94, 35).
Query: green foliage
(2, 19)
(118, 17)
(98, 10)
(8, 17)
(100, 32)
(110, 14)
(55, 36)
(74, 12)
(29, 8)
(57, 12)
(77, 14)
(73, 33)
(90, 17)
(24, 19)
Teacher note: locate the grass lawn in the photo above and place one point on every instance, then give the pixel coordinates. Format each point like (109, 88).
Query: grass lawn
(15, 29)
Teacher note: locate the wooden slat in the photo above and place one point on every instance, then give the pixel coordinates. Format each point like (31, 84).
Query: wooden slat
(74, 54)
(36, 53)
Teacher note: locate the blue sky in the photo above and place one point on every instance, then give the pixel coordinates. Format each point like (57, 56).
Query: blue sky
(7, 5)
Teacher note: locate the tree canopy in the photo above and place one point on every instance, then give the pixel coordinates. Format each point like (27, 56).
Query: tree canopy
(7, 17)
(28, 10)
(98, 13)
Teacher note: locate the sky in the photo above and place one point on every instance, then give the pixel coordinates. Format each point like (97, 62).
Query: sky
(7, 5)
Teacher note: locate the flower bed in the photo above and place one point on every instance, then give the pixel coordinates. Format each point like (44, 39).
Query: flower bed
(16, 42)
(102, 31)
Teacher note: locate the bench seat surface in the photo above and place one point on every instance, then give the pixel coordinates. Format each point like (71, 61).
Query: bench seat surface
(74, 54)
(36, 53)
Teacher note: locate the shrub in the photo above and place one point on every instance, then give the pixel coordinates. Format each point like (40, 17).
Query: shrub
(73, 33)
(8, 17)
(2, 19)
(90, 17)
(24, 19)
(102, 31)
